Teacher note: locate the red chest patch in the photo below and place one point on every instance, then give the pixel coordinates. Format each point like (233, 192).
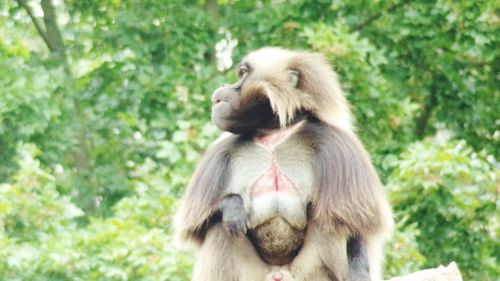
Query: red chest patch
(274, 180)
(274, 138)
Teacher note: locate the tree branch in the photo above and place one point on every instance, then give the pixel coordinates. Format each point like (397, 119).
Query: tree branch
(423, 120)
(212, 8)
(52, 37)
(38, 25)
(378, 15)
(52, 30)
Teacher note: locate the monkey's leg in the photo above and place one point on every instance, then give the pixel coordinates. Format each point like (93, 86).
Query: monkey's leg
(375, 253)
(322, 258)
(226, 257)
(358, 260)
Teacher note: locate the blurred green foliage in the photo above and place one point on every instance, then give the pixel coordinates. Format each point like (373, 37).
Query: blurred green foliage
(450, 193)
(100, 133)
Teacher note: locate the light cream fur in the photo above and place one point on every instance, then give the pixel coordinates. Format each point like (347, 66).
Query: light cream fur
(327, 100)
(323, 257)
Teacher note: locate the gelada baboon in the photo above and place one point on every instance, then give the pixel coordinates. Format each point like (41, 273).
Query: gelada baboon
(290, 194)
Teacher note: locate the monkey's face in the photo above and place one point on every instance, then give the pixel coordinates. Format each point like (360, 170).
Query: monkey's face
(250, 104)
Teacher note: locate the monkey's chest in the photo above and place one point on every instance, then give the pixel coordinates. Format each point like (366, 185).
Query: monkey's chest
(274, 177)
(278, 215)
(275, 183)
(276, 186)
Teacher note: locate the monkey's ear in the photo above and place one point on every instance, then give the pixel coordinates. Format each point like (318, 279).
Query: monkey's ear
(293, 76)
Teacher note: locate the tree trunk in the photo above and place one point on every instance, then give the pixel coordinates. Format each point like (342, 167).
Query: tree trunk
(51, 35)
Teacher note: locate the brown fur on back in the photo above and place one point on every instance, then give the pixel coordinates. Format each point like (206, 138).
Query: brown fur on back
(349, 194)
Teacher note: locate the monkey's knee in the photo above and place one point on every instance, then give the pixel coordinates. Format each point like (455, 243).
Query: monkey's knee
(213, 261)
(228, 257)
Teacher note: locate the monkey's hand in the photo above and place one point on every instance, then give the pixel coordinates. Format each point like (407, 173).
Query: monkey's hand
(234, 217)
(235, 222)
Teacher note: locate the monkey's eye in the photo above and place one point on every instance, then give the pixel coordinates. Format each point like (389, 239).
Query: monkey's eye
(242, 71)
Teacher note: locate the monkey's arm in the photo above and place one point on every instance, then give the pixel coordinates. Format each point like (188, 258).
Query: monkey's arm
(349, 198)
(200, 204)
(348, 194)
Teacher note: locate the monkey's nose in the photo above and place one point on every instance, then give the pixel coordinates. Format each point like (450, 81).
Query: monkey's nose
(216, 98)
(220, 95)
(224, 94)
(278, 277)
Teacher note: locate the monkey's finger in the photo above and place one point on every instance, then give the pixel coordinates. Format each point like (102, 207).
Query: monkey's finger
(231, 227)
(243, 227)
(236, 228)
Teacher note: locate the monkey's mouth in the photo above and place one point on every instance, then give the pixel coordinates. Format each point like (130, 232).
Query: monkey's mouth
(221, 106)
(244, 121)
(234, 124)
